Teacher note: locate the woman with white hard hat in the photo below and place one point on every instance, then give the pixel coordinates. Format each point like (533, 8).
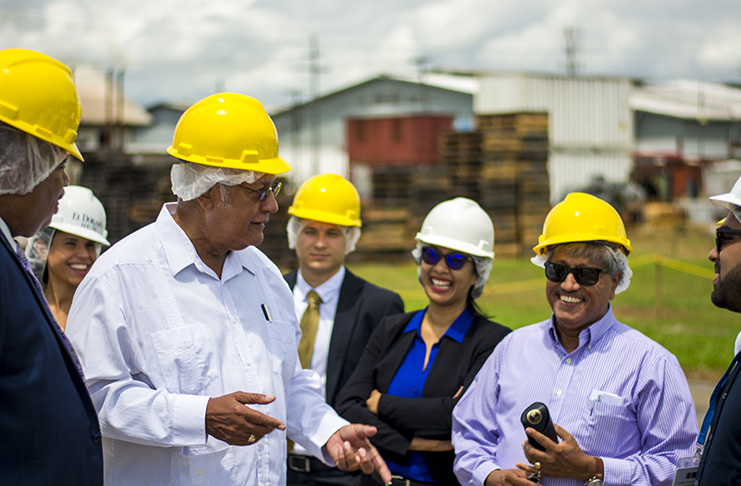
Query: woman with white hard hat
(62, 254)
(417, 365)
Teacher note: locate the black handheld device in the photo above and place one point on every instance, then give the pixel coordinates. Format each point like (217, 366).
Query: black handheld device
(538, 417)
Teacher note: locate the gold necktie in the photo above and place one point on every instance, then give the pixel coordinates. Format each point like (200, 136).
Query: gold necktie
(309, 325)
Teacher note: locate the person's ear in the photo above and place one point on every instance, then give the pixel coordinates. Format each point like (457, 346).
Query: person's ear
(210, 199)
(615, 280)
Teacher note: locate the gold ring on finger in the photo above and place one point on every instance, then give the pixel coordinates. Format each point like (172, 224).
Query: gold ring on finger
(251, 438)
(537, 466)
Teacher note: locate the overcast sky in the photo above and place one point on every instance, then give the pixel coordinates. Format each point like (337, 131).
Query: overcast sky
(183, 50)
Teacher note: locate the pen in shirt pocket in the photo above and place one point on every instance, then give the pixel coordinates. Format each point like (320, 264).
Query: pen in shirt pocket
(266, 312)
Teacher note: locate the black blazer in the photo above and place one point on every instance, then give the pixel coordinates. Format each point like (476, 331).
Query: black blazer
(430, 417)
(49, 431)
(361, 306)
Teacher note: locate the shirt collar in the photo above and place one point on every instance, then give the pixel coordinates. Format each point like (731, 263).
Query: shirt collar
(457, 331)
(180, 252)
(591, 334)
(327, 289)
(5, 230)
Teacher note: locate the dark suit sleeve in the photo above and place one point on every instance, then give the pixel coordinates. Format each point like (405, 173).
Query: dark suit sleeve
(351, 400)
(431, 418)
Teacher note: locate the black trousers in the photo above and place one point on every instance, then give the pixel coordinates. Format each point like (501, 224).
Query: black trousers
(309, 471)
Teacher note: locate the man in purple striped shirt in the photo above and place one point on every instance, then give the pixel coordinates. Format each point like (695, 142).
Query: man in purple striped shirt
(619, 401)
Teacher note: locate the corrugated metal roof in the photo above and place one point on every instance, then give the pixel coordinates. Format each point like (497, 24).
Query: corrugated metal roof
(689, 100)
(92, 86)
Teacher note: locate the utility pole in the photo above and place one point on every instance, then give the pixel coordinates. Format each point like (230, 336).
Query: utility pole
(422, 63)
(316, 115)
(571, 36)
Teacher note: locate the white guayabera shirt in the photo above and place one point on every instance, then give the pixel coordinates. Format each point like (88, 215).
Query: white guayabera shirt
(159, 333)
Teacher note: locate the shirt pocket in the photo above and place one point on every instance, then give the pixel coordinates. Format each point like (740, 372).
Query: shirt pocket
(284, 349)
(185, 356)
(609, 426)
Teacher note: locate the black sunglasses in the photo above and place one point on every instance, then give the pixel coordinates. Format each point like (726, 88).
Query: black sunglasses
(720, 237)
(263, 193)
(453, 260)
(587, 276)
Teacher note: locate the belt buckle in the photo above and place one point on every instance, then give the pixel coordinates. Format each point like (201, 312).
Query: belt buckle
(306, 467)
(406, 482)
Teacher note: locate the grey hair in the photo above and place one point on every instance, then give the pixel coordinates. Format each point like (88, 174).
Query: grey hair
(605, 253)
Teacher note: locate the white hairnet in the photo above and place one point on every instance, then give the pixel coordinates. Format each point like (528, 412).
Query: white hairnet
(618, 258)
(482, 265)
(736, 211)
(296, 225)
(192, 180)
(37, 251)
(25, 161)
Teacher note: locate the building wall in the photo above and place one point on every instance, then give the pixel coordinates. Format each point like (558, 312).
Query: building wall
(406, 140)
(313, 137)
(590, 122)
(659, 134)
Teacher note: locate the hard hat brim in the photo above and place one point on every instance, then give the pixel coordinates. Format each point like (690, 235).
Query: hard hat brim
(276, 165)
(454, 245)
(81, 232)
(542, 248)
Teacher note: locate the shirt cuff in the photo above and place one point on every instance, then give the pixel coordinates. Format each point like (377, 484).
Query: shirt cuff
(330, 424)
(482, 472)
(617, 472)
(189, 420)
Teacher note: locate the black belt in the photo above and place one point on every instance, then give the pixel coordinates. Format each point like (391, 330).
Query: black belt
(400, 481)
(305, 464)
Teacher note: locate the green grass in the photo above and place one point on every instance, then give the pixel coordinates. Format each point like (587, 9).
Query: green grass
(685, 322)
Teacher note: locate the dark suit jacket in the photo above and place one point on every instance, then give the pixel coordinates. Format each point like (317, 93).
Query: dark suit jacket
(360, 308)
(49, 431)
(430, 417)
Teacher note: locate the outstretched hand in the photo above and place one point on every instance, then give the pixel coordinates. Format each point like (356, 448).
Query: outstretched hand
(351, 450)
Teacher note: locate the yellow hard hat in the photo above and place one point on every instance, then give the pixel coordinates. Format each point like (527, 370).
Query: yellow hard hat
(38, 96)
(228, 130)
(579, 218)
(327, 198)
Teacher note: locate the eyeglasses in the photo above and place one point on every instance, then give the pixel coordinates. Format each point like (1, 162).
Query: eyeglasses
(263, 193)
(587, 276)
(721, 239)
(454, 261)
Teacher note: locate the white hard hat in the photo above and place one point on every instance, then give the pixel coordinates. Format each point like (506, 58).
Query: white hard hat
(459, 224)
(81, 214)
(730, 198)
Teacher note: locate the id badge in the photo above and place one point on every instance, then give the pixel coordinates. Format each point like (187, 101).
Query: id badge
(686, 471)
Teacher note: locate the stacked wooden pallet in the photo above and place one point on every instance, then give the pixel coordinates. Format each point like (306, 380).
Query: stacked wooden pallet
(515, 148)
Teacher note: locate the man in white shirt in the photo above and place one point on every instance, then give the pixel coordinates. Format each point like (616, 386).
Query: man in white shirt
(323, 229)
(187, 331)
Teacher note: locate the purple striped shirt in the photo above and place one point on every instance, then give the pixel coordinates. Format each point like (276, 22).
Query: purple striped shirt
(642, 422)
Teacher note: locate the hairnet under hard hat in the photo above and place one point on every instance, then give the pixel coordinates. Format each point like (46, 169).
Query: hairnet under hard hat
(481, 264)
(617, 256)
(296, 225)
(37, 251)
(25, 161)
(191, 180)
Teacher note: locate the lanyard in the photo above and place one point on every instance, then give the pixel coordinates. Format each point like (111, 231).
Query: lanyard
(713, 404)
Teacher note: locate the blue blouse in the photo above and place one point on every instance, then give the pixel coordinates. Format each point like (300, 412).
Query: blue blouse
(410, 379)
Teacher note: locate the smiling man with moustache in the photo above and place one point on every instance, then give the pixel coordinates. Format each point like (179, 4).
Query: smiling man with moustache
(323, 229)
(720, 435)
(619, 401)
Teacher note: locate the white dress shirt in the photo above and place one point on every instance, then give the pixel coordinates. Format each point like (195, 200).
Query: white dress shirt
(329, 291)
(159, 334)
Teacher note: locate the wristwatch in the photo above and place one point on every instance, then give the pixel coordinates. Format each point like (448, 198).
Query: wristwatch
(599, 475)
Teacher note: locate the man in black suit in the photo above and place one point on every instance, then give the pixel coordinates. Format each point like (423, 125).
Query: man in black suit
(49, 431)
(337, 310)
